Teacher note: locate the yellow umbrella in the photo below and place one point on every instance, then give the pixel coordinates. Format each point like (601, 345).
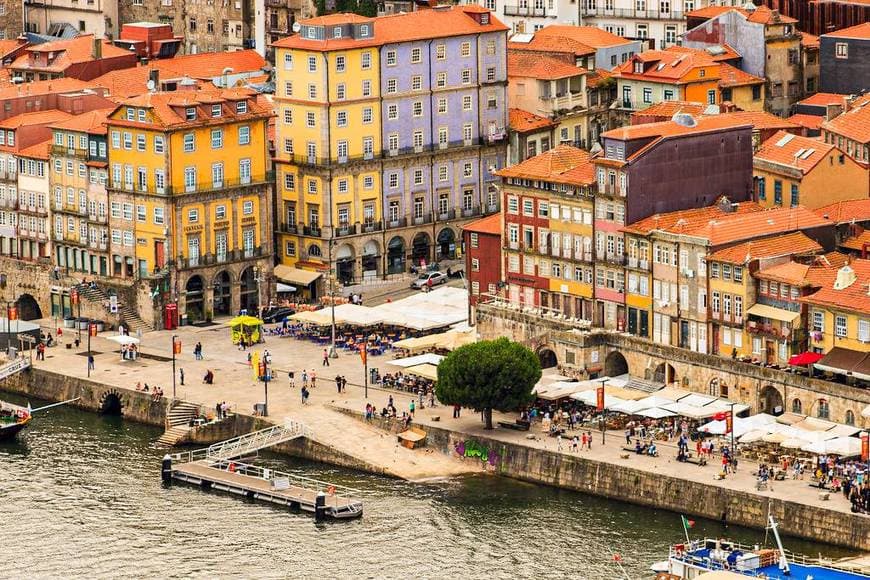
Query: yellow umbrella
(427, 371)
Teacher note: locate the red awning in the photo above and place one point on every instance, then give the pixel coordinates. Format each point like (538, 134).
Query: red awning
(805, 358)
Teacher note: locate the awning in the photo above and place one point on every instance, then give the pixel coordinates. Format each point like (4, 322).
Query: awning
(766, 311)
(292, 275)
(284, 288)
(844, 361)
(805, 358)
(426, 371)
(428, 358)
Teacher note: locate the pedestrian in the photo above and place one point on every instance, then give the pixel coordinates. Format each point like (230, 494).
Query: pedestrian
(559, 442)
(304, 395)
(121, 329)
(292, 378)
(313, 378)
(325, 358)
(338, 383)
(181, 376)
(431, 398)
(224, 408)
(456, 411)
(90, 362)
(390, 402)
(582, 440)
(343, 384)
(197, 351)
(411, 407)
(628, 436)
(574, 442)
(217, 409)
(304, 378)
(589, 440)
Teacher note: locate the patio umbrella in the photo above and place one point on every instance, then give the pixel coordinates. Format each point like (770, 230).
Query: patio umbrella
(805, 358)
(124, 339)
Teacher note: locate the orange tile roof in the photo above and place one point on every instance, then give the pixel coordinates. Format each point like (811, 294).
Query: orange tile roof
(61, 85)
(587, 35)
(341, 18)
(760, 120)
(562, 164)
(854, 124)
(728, 228)
(809, 40)
(792, 244)
(597, 77)
(790, 150)
(813, 122)
(825, 99)
(491, 224)
(168, 107)
(671, 108)
(8, 45)
(761, 14)
(854, 297)
(824, 268)
(728, 51)
(712, 11)
(670, 128)
(730, 76)
(538, 66)
(37, 151)
(857, 242)
(689, 219)
(859, 32)
(849, 211)
(525, 122)
(552, 44)
(71, 51)
(403, 27)
(670, 66)
(92, 122)
(46, 117)
(793, 273)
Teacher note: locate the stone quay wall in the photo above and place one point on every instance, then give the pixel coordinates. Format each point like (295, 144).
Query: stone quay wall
(624, 483)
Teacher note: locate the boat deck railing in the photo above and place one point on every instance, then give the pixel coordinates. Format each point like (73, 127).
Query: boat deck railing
(273, 474)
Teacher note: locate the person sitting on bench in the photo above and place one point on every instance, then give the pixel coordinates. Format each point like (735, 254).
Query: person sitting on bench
(652, 451)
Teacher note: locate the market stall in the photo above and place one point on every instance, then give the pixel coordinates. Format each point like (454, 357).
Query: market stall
(249, 327)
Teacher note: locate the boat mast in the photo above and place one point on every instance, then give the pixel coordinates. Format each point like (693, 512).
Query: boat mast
(783, 562)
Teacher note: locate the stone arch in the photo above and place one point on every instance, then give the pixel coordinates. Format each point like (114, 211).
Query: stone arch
(615, 364)
(28, 308)
(112, 403)
(421, 247)
(547, 357)
(823, 409)
(665, 373)
(248, 291)
(446, 244)
(715, 389)
(370, 258)
(314, 251)
(223, 289)
(797, 406)
(850, 418)
(344, 264)
(770, 400)
(194, 292)
(396, 255)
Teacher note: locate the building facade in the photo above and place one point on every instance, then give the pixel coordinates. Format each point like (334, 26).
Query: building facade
(97, 17)
(389, 133)
(845, 60)
(483, 264)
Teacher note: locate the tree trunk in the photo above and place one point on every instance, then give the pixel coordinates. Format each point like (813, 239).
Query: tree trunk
(487, 418)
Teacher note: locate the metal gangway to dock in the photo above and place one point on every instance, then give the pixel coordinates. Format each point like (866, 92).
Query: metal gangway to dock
(219, 467)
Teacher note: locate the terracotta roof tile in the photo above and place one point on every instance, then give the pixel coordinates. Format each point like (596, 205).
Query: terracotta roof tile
(793, 273)
(825, 99)
(809, 40)
(792, 244)
(402, 27)
(689, 219)
(168, 107)
(813, 122)
(671, 108)
(491, 224)
(790, 150)
(37, 151)
(854, 297)
(525, 122)
(857, 242)
(718, 52)
(537, 66)
(712, 11)
(670, 128)
(562, 164)
(92, 122)
(859, 32)
(760, 120)
(844, 212)
(730, 76)
(70, 51)
(667, 65)
(54, 86)
(854, 124)
(47, 117)
(761, 14)
(587, 35)
(597, 77)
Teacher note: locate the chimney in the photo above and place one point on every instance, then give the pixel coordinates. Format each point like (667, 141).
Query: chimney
(97, 52)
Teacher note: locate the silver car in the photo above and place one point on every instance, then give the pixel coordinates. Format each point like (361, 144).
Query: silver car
(422, 281)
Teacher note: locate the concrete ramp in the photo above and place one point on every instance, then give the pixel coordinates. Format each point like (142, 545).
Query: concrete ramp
(250, 443)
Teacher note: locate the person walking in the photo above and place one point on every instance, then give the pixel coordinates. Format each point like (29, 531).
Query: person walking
(559, 442)
(304, 379)
(218, 410)
(411, 408)
(90, 362)
(313, 378)
(589, 440)
(456, 411)
(181, 376)
(343, 384)
(582, 440)
(338, 383)
(325, 358)
(574, 446)
(292, 378)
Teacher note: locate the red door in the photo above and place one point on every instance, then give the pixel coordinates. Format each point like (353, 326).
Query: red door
(159, 254)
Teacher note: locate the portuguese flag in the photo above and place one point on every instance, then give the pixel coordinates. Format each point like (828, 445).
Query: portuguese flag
(687, 523)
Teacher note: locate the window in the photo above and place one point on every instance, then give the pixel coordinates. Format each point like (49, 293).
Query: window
(244, 135)
(465, 49)
(416, 83)
(288, 88)
(159, 145)
(288, 61)
(441, 80)
(864, 330)
(312, 91)
(824, 409)
(158, 216)
(217, 138)
(248, 207)
(128, 141)
(842, 50)
(340, 92)
(840, 326)
(738, 273)
(140, 143)
(416, 55)
(441, 51)
(367, 88)
(795, 195)
(309, 119)
(466, 103)
(312, 64)
(711, 97)
(391, 86)
(341, 118)
(647, 95)
(189, 142)
(466, 76)
(339, 63)
(777, 192)
(366, 58)
(442, 106)
(391, 58)
(490, 47)
(417, 108)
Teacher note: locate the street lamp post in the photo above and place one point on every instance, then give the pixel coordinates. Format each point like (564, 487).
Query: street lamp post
(332, 352)
(176, 347)
(733, 459)
(90, 332)
(603, 424)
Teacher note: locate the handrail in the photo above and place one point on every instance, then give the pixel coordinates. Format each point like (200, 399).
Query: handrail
(260, 472)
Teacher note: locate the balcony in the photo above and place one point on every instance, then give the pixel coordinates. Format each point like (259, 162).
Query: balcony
(517, 10)
(220, 258)
(288, 228)
(372, 226)
(425, 218)
(616, 259)
(208, 186)
(567, 101)
(495, 137)
(33, 209)
(471, 212)
(447, 215)
(98, 219)
(492, 208)
(633, 13)
(768, 330)
(345, 229)
(397, 223)
(313, 231)
(611, 189)
(276, 3)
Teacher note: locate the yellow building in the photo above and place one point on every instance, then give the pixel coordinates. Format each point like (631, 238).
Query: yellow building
(794, 170)
(839, 315)
(189, 178)
(638, 294)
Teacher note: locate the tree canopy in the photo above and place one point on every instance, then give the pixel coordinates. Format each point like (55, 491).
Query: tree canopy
(486, 375)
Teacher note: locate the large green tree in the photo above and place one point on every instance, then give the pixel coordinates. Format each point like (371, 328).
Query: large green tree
(486, 375)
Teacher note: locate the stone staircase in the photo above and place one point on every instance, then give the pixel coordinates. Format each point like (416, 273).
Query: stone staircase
(643, 385)
(178, 423)
(128, 316)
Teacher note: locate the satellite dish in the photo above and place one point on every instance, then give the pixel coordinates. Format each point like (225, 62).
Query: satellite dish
(150, 84)
(297, 27)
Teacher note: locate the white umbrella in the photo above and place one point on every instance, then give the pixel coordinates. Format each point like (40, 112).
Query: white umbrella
(753, 436)
(842, 446)
(124, 339)
(655, 413)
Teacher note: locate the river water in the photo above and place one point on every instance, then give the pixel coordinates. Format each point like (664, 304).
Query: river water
(80, 496)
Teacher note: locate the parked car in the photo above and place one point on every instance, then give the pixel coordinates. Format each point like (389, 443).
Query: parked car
(277, 314)
(422, 280)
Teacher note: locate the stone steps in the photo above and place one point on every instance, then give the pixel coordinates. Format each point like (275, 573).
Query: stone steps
(181, 414)
(173, 436)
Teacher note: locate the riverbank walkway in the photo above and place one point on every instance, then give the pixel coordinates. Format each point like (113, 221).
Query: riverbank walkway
(235, 384)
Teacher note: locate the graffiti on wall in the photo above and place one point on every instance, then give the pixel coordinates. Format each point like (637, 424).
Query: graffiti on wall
(474, 449)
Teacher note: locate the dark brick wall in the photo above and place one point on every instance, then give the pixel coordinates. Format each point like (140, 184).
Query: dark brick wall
(849, 76)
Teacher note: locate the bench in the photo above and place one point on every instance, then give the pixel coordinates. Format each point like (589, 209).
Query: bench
(514, 426)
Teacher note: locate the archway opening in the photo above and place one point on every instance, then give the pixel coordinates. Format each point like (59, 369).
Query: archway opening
(28, 308)
(665, 373)
(396, 256)
(421, 248)
(344, 264)
(547, 358)
(194, 299)
(248, 299)
(797, 406)
(446, 244)
(771, 400)
(615, 364)
(370, 259)
(222, 293)
(111, 404)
